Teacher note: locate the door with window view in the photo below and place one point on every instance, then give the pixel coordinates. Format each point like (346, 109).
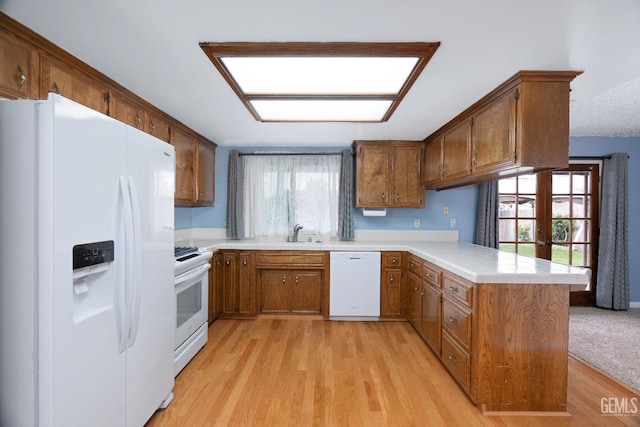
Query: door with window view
(554, 216)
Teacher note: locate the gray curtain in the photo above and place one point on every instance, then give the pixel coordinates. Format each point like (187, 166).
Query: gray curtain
(235, 196)
(612, 286)
(487, 221)
(345, 203)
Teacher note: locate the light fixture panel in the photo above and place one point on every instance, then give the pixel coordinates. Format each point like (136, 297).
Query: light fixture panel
(336, 81)
(325, 110)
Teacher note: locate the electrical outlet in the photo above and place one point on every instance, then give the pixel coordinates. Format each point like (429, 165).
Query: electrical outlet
(453, 223)
(445, 210)
(416, 223)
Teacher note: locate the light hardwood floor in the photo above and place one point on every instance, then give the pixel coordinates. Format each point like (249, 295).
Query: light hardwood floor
(309, 372)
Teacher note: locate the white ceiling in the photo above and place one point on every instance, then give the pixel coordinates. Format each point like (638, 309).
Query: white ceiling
(151, 47)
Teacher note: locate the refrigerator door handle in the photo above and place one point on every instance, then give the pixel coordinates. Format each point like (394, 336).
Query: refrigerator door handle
(137, 266)
(129, 261)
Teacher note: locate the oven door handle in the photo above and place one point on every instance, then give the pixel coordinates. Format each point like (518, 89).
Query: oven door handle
(191, 274)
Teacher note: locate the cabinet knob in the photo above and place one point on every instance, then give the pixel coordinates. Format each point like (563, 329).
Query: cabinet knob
(452, 358)
(296, 280)
(394, 261)
(453, 289)
(452, 320)
(244, 261)
(284, 279)
(391, 279)
(227, 262)
(22, 77)
(397, 196)
(384, 196)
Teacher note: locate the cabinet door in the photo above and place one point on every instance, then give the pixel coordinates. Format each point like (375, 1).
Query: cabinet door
(456, 157)
(414, 289)
(216, 279)
(306, 291)
(406, 167)
(372, 176)
(433, 161)
(493, 139)
(229, 294)
(391, 294)
(17, 80)
(58, 78)
(185, 146)
(159, 127)
(431, 317)
(128, 112)
(275, 295)
(246, 289)
(206, 174)
(211, 306)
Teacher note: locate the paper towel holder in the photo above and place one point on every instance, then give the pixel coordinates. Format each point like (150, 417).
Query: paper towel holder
(374, 211)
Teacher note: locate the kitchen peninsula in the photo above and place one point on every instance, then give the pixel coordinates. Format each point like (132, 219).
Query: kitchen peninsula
(497, 321)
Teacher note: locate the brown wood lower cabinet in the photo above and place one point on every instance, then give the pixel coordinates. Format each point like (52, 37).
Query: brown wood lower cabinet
(391, 304)
(285, 291)
(238, 295)
(293, 282)
(505, 344)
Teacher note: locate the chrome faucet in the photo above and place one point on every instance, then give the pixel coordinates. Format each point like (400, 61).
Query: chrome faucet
(296, 229)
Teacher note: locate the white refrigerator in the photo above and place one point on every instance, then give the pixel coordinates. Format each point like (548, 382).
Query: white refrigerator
(86, 267)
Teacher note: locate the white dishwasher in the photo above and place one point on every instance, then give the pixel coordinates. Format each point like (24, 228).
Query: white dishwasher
(354, 286)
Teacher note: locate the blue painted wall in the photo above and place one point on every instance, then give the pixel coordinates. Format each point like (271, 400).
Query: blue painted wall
(462, 202)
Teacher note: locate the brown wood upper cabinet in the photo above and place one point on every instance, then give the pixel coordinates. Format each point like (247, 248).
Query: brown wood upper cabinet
(128, 112)
(59, 78)
(18, 75)
(195, 170)
(520, 127)
(389, 174)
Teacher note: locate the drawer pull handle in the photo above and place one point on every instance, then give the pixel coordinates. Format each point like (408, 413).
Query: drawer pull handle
(452, 358)
(452, 289)
(452, 320)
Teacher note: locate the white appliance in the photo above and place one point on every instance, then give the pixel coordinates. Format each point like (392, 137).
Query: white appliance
(354, 286)
(192, 303)
(86, 297)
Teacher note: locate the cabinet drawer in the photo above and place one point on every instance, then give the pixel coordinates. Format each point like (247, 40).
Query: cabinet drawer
(456, 288)
(457, 361)
(291, 259)
(431, 275)
(415, 265)
(456, 321)
(391, 259)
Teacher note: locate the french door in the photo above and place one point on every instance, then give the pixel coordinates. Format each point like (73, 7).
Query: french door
(554, 216)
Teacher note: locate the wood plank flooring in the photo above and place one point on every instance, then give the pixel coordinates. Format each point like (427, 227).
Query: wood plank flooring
(288, 371)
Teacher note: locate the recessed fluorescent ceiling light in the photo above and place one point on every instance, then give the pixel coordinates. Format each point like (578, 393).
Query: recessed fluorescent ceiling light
(320, 81)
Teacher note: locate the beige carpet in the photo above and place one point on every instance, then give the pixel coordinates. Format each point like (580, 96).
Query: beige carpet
(608, 340)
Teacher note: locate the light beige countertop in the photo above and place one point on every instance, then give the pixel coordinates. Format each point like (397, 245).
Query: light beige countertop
(472, 262)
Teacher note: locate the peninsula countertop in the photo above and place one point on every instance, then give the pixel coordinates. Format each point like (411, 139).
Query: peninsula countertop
(475, 263)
